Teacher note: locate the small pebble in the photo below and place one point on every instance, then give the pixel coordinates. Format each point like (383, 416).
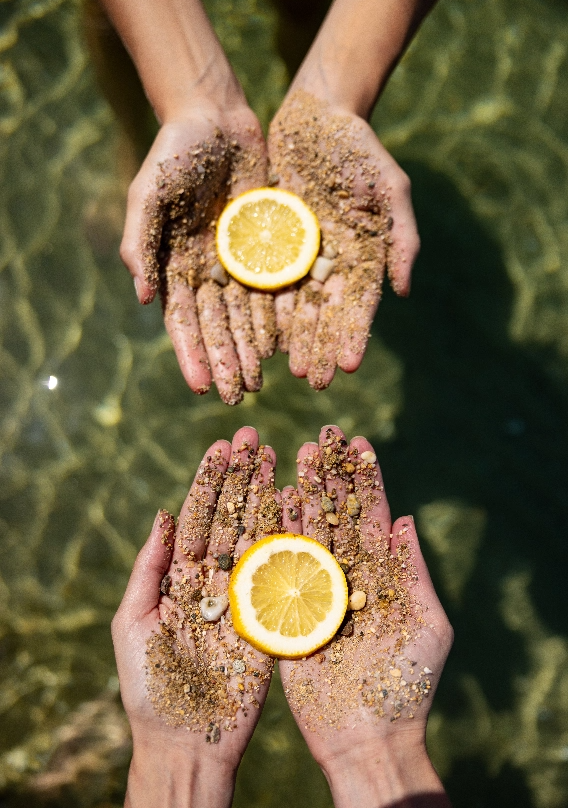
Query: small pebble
(345, 567)
(213, 734)
(239, 666)
(213, 607)
(292, 514)
(230, 507)
(332, 518)
(369, 457)
(218, 274)
(273, 179)
(347, 629)
(319, 658)
(329, 251)
(396, 673)
(166, 584)
(225, 561)
(357, 600)
(327, 504)
(240, 530)
(427, 670)
(353, 505)
(349, 468)
(322, 269)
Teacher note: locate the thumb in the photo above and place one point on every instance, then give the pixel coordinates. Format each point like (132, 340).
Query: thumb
(153, 560)
(404, 533)
(142, 234)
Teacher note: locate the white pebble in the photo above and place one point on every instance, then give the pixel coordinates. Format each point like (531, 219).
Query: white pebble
(321, 269)
(212, 608)
(357, 600)
(369, 457)
(218, 274)
(427, 670)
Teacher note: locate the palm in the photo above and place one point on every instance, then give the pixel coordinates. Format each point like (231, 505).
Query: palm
(193, 168)
(334, 161)
(180, 672)
(384, 667)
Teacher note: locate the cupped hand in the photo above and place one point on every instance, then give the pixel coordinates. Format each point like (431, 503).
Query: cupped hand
(219, 329)
(190, 684)
(334, 161)
(374, 682)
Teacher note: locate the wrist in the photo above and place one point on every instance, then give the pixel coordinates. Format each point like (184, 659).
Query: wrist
(220, 94)
(233, 114)
(394, 772)
(329, 87)
(167, 776)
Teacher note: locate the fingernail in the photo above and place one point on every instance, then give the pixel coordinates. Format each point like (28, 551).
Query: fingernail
(137, 287)
(162, 518)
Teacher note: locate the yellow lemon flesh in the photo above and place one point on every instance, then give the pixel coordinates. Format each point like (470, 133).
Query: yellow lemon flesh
(288, 595)
(267, 238)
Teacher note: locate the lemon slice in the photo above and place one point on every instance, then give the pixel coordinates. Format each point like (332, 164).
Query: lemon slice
(288, 595)
(267, 238)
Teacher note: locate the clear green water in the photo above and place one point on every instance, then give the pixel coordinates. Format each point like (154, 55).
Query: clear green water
(464, 392)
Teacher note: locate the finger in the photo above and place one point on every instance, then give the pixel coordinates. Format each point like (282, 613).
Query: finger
(262, 510)
(141, 239)
(231, 505)
(304, 328)
(310, 489)
(375, 517)
(291, 510)
(223, 359)
(328, 334)
(405, 543)
(338, 488)
(196, 515)
(143, 590)
(284, 302)
(263, 322)
(362, 296)
(240, 323)
(182, 324)
(404, 237)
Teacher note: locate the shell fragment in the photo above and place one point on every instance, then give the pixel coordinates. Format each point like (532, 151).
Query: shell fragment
(321, 268)
(213, 607)
(218, 274)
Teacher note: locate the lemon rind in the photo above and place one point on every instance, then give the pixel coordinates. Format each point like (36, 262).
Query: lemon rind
(294, 271)
(242, 612)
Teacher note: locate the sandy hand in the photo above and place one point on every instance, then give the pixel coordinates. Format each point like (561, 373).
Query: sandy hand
(334, 161)
(186, 677)
(378, 676)
(218, 328)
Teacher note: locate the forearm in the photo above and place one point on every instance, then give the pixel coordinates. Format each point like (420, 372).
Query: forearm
(177, 54)
(167, 778)
(357, 48)
(398, 773)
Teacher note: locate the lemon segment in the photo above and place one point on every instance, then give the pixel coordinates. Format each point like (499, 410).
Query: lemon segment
(288, 595)
(267, 238)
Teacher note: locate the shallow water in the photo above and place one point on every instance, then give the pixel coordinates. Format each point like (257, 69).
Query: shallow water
(464, 393)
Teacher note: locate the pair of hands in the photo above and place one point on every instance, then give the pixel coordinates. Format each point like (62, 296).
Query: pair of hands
(361, 702)
(209, 155)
